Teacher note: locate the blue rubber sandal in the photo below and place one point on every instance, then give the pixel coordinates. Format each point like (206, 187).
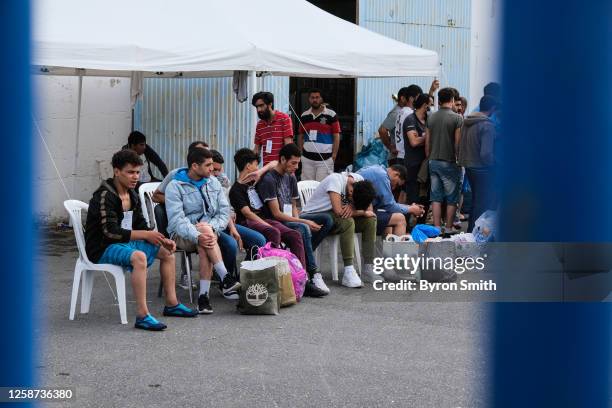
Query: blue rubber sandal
(149, 323)
(180, 310)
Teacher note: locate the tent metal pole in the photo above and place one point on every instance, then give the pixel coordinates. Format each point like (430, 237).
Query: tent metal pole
(253, 89)
(80, 73)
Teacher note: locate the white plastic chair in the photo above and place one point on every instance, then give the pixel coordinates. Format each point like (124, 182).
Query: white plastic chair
(306, 188)
(145, 192)
(84, 269)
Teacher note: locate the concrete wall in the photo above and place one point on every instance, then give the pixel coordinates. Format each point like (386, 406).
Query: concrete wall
(105, 124)
(485, 47)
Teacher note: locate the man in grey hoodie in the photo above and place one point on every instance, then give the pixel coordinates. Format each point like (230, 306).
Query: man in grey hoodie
(476, 154)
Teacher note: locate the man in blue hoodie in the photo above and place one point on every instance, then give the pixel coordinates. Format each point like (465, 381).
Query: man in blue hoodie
(390, 216)
(198, 212)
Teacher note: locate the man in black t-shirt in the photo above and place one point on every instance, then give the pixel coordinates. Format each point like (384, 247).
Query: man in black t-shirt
(279, 193)
(413, 130)
(249, 207)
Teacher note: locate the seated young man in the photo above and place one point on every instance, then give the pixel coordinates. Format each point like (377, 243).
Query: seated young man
(245, 237)
(249, 207)
(347, 199)
(138, 143)
(198, 212)
(242, 236)
(390, 216)
(279, 193)
(218, 169)
(117, 233)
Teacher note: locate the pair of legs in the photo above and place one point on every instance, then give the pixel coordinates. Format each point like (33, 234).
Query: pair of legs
(251, 239)
(138, 256)
(209, 256)
(312, 239)
(445, 186)
(278, 232)
(346, 228)
(229, 246)
(390, 223)
(482, 182)
(411, 186)
(316, 170)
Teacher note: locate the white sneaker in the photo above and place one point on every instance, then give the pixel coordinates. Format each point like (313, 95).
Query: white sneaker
(369, 276)
(317, 279)
(350, 278)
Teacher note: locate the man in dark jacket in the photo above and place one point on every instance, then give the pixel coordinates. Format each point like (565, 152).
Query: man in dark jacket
(117, 233)
(138, 142)
(476, 154)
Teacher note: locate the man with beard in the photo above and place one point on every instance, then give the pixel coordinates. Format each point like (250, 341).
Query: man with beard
(318, 138)
(274, 129)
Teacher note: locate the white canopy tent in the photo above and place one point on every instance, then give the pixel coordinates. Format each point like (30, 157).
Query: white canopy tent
(202, 38)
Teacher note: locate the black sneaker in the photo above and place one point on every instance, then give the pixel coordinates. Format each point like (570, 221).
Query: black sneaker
(204, 304)
(312, 291)
(229, 284)
(231, 295)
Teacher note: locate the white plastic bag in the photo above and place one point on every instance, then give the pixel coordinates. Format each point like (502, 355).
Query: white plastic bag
(402, 246)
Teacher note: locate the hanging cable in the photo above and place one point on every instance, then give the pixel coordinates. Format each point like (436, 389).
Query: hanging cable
(51, 157)
(59, 176)
(305, 133)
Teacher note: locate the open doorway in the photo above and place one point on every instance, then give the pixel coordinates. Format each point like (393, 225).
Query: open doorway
(338, 93)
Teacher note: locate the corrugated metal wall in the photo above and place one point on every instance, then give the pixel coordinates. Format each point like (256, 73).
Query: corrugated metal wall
(175, 112)
(439, 25)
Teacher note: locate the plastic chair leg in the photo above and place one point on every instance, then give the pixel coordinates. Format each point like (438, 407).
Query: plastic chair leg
(160, 288)
(120, 285)
(78, 269)
(187, 263)
(334, 256)
(357, 254)
(88, 281)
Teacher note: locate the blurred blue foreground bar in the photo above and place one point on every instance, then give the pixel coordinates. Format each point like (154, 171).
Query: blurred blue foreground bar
(16, 206)
(557, 187)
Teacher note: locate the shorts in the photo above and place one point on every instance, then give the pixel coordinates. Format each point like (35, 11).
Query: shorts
(184, 244)
(382, 220)
(445, 181)
(120, 254)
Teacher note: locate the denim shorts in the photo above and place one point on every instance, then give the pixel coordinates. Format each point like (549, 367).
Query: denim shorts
(445, 181)
(120, 254)
(382, 220)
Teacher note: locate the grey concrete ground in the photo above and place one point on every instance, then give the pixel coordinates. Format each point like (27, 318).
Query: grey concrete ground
(345, 350)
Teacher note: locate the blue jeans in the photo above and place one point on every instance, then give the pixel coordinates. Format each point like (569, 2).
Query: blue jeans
(482, 181)
(312, 239)
(229, 246)
(229, 251)
(250, 239)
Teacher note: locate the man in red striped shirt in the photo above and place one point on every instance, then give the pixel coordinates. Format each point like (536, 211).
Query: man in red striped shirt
(274, 129)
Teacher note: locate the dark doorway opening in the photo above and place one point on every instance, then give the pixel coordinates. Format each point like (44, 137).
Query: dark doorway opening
(338, 93)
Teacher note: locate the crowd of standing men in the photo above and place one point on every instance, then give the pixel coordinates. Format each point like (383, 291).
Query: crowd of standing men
(435, 155)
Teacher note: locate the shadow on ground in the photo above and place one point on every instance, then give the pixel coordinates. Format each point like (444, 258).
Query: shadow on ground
(340, 351)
